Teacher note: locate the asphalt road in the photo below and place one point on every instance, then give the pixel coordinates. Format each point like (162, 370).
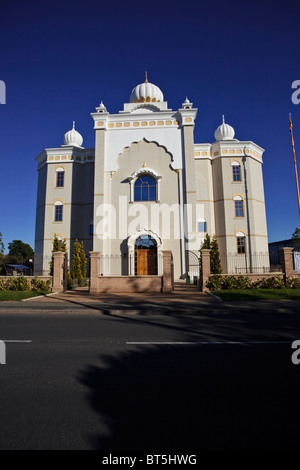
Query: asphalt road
(208, 375)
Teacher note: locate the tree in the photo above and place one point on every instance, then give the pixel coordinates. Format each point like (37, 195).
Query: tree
(212, 245)
(58, 245)
(207, 243)
(20, 250)
(78, 270)
(1, 245)
(296, 238)
(215, 262)
(2, 258)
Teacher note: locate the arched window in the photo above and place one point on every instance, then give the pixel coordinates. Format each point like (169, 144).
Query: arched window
(240, 243)
(58, 215)
(145, 189)
(60, 177)
(236, 171)
(238, 206)
(202, 226)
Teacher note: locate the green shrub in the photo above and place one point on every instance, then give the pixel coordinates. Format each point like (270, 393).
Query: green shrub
(4, 284)
(218, 282)
(19, 283)
(215, 282)
(274, 282)
(296, 283)
(40, 285)
(229, 282)
(243, 282)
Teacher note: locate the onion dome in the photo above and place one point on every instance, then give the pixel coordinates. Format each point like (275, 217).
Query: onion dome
(146, 93)
(224, 132)
(73, 138)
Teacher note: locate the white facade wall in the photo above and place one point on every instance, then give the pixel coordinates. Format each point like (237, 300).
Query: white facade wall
(157, 141)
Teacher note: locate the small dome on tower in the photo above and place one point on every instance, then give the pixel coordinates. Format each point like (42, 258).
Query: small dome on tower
(224, 132)
(73, 138)
(146, 93)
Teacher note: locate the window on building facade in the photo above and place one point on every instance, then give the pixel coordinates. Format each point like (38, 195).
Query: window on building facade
(202, 227)
(58, 217)
(145, 189)
(91, 228)
(236, 172)
(238, 207)
(60, 177)
(241, 248)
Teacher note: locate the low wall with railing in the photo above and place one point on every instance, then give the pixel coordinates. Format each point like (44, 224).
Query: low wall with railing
(244, 264)
(131, 284)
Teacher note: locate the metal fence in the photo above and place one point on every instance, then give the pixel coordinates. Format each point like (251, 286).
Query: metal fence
(125, 264)
(297, 261)
(256, 263)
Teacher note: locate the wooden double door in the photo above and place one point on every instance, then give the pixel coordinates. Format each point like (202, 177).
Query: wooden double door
(146, 262)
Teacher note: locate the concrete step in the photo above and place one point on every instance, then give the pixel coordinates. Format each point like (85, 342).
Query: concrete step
(183, 287)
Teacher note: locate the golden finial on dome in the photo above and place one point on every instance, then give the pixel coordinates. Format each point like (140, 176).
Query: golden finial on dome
(145, 165)
(146, 80)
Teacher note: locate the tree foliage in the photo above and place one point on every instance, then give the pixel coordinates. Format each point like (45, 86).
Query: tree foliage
(296, 238)
(296, 234)
(212, 245)
(2, 257)
(1, 245)
(78, 270)
(58, 245)
(215, 262)
(20, 250)
(207, 242)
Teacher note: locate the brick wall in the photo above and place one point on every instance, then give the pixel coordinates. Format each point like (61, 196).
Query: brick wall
(118, 284)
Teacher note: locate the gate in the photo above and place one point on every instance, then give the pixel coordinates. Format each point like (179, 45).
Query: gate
(297, 261)
(65, 272)
(193, 266)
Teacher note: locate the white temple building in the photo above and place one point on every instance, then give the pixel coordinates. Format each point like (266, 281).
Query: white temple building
(148, 187)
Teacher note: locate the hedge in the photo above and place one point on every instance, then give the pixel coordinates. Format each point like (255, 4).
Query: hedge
(218, 282)
(21, 283)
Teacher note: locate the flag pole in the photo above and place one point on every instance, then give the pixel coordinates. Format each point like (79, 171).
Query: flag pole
(295, 164)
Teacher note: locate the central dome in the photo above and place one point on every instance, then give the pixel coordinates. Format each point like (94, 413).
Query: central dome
(146, 93)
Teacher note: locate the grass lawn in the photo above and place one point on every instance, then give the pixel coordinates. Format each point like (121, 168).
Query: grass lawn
(258, 294)
(19, 295)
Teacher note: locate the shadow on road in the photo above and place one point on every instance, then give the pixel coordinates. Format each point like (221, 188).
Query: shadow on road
(195, 397)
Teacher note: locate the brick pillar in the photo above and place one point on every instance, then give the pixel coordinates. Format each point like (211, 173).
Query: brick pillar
(58, 271)
(205, 268)
(94, 271)
(167, 271)
(287, 261)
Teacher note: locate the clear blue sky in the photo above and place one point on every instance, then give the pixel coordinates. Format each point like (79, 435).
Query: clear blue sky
(60, 59)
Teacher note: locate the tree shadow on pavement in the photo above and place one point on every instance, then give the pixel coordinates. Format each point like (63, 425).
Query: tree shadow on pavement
(195, 397)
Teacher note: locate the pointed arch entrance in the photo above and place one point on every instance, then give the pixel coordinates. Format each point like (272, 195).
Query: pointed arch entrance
(145, 256)
(144, 253)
